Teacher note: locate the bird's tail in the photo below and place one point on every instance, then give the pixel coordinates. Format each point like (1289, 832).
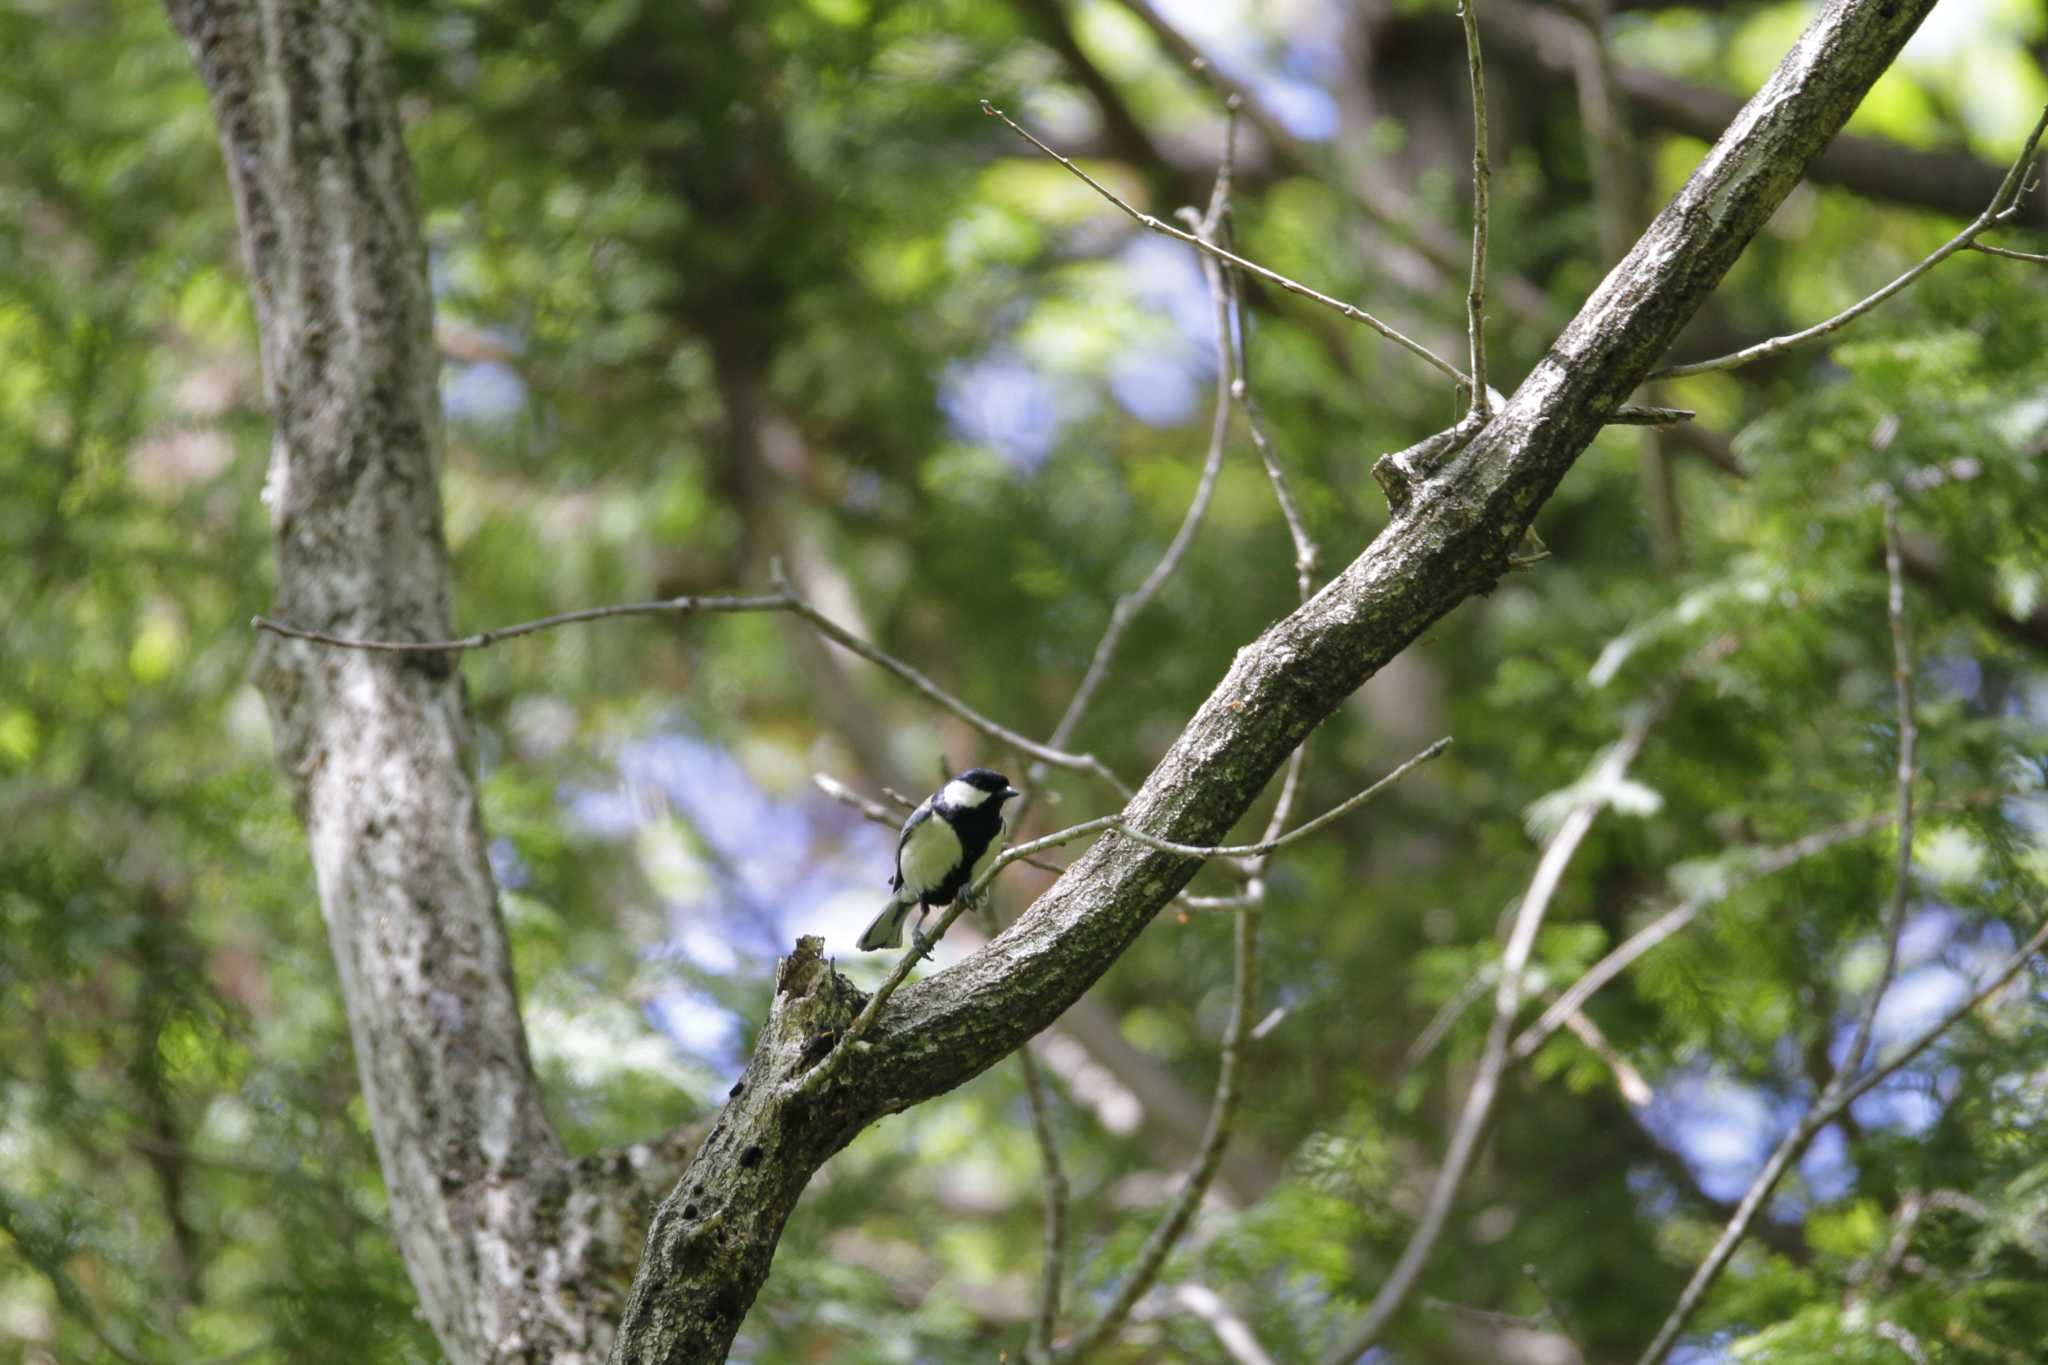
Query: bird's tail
(887, 929)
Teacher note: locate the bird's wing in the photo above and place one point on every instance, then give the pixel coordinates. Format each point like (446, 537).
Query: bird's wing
(928, 852)
(917, 817)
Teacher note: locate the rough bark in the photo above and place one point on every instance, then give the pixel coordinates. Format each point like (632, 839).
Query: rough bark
(711, 1242)
(517, 1253)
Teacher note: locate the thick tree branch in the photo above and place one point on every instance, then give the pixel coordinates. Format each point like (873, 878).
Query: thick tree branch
(1451, 540)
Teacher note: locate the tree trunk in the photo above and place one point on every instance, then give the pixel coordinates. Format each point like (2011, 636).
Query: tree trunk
(516, 1252)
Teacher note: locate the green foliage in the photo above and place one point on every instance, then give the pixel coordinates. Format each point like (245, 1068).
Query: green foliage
(722, 284)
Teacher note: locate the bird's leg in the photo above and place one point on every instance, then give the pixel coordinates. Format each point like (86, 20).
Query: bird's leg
(921, 945)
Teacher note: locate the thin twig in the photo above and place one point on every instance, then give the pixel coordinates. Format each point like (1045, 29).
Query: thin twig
(1271, 277)
(2002, 209)
(1482, 175)
(1129, 605)
(1053, 1272)
(1232, 1334)
(1843, 1085)
(1307, 555)
(1909, 743)
(1550, 869)
(1268, 845)
(1627, 1079)
(1439, 1026)
(1002, 734)
(1380, 199)
(786, 598)
(2036, 257)
(1819, 1117)
(669, 606)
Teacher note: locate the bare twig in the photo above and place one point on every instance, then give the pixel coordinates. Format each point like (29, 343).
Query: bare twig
(1843, 1086)
(2002, 209)
(1232, 1334)
(786, 598)
(1307, 556)
(669, 606)
(2036, 257)
(1129, 605)
(1909, 737)
(1627, 1079)
(1053, 1273)
(1268, 845)
(1871, 1276)
(1482, 175)
(1002, 734)
(1381, 200)
(1401, 1280)
(1439, 1026)
(1272, 277)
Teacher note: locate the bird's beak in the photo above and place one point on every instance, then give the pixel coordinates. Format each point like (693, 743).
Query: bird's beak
(1009, 792)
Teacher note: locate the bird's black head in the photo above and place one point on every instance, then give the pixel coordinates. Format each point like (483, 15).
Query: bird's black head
(992, 785)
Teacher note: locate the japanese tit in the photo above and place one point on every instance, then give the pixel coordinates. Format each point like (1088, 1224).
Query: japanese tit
(948, 841)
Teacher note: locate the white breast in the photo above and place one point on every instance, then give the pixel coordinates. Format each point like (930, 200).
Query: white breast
(931, 851)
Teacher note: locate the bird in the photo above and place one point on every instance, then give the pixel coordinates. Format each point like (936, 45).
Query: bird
(948, 841)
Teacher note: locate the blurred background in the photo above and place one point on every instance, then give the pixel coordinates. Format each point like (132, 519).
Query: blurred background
(724, 283)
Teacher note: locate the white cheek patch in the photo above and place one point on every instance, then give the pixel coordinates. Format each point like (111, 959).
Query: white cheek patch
(963, 795)
(928, 855)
